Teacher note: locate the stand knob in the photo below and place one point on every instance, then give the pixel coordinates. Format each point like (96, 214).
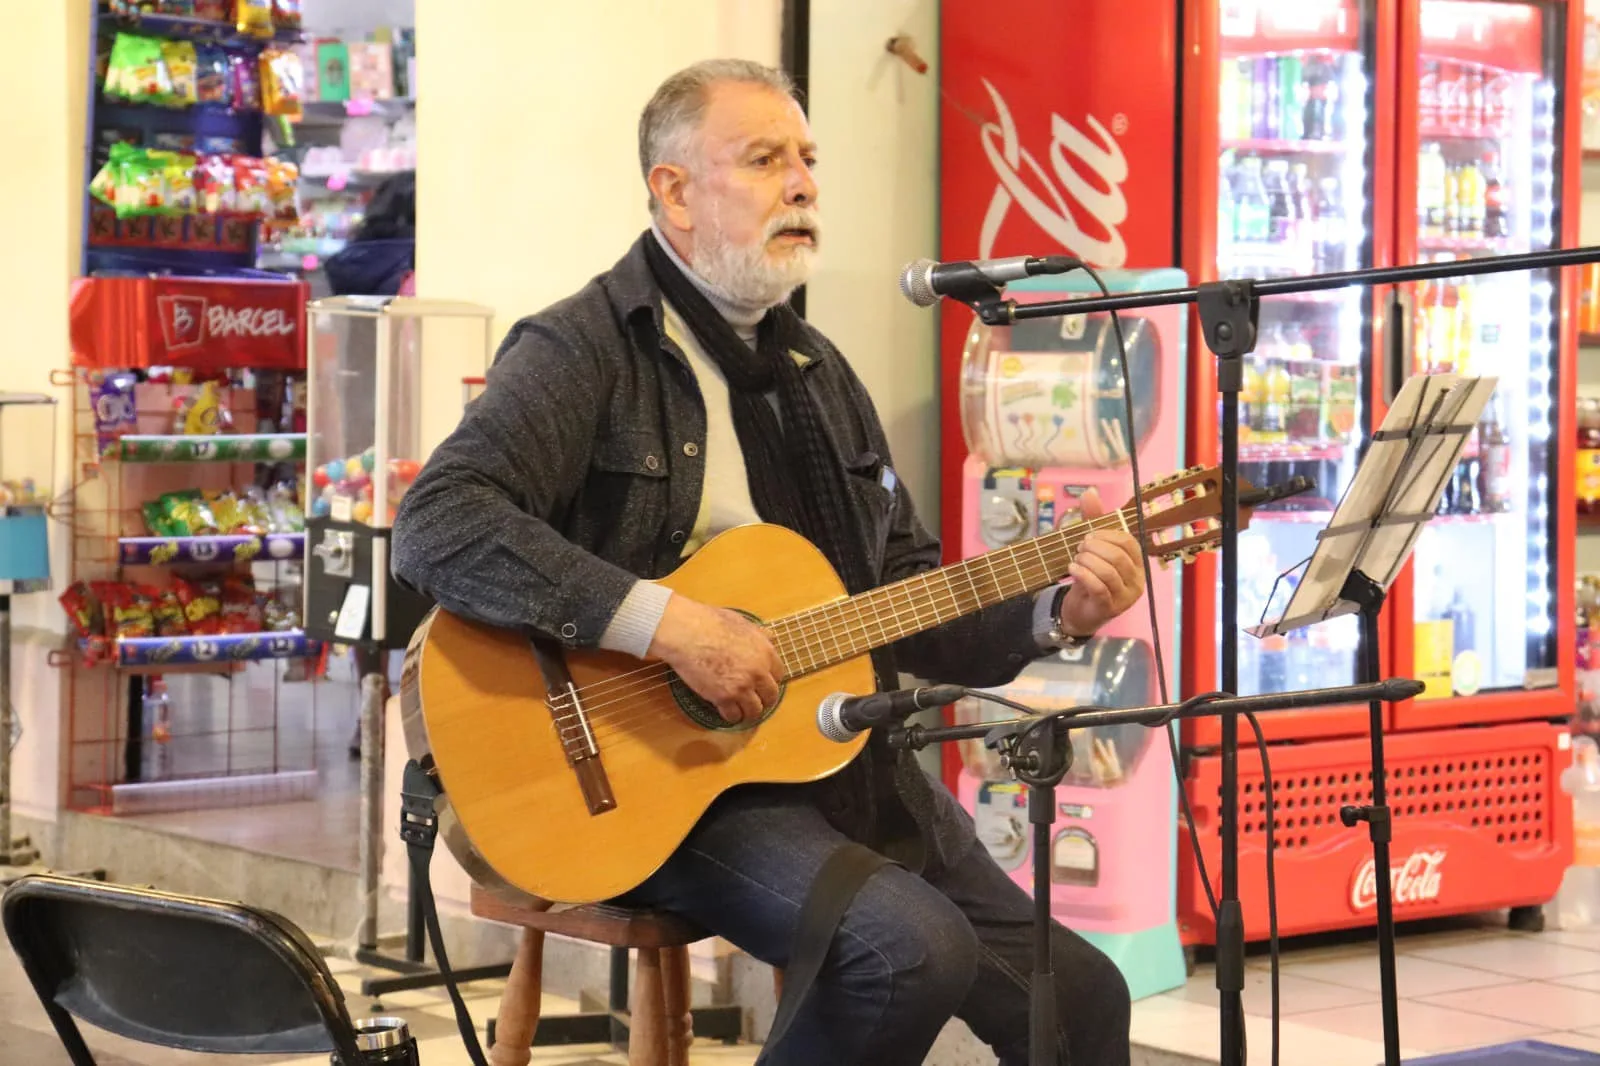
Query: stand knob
(1351, 815)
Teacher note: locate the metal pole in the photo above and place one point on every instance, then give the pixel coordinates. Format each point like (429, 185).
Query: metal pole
(374, 690)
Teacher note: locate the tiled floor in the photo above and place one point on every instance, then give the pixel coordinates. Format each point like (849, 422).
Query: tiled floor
(1468, 984)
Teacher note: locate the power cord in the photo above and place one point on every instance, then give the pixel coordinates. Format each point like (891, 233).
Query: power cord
(1161, 675)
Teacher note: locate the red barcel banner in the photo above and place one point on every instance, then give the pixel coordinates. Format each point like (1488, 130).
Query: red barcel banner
(192, 322)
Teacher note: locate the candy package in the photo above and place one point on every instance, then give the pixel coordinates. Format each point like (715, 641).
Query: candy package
(245, 83)
(282, 83)
(282, 177)
(111, 394)
(202, 412)
(136, 70)
(212, 82)
(214, 180)
(250, 185)
(283, 503)
(253, 17)
(286, 14)
(182, 71)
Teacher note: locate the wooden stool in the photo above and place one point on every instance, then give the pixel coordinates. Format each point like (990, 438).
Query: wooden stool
(660, 1026)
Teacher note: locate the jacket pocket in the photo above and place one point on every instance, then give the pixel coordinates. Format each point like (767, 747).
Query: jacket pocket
(625, 500)
(870, 485)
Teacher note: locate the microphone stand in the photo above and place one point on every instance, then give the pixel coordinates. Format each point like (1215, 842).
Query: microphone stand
(1228, 316)
(1038, 752)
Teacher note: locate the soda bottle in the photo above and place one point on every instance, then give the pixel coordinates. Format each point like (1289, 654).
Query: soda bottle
(1329, 251)
(1291, 124)
(1472, 98)
(1252, 220)
(1450, 96)
(1496, 470)
(1275, 408)
(1227, 200)
(1279, 213)
(1496, 104)
(1315, 124)
(1272, 90)
(1466, 500)
(1258, 95)
(1428, 97)
(1462, 328)
(1496, 213)
(1252, 400)
(1422, 331)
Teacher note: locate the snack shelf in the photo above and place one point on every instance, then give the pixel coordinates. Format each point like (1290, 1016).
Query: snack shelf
(196, 29)
(199, 650)
(230, 448)
(163, 551)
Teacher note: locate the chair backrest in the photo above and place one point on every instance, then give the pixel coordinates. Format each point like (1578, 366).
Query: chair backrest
(178, 971)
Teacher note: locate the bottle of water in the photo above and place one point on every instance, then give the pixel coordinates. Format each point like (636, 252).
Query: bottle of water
(1578, 902)
(156, 719)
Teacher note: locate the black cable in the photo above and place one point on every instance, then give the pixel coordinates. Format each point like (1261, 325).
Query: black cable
(1155, 624)
(1272, 874)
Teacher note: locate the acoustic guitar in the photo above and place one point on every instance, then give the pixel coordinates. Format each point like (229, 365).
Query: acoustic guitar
(573, 775)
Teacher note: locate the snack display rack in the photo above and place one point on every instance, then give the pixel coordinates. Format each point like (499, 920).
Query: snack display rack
(187, 382)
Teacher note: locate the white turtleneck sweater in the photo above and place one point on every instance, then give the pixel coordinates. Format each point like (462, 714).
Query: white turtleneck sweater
(725, 495)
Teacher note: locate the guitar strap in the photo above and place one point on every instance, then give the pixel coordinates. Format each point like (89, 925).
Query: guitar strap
(836, 884)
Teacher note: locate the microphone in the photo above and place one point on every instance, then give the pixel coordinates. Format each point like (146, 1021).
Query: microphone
(842, 717)
(924, 281)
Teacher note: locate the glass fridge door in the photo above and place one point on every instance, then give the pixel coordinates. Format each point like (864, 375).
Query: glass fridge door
(1488, 135)
(1295, 198)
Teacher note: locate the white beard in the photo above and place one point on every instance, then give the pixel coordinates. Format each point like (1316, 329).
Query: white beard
(749, 275)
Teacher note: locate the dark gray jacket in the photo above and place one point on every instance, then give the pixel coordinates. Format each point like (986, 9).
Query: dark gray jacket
(580, 470)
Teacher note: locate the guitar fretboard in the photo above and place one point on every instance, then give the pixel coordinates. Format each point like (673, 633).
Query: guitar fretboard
(836, 632)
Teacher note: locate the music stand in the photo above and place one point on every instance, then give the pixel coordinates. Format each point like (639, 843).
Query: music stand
(1395, 492)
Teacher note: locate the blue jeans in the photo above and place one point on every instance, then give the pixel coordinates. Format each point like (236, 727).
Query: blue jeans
(911, 952)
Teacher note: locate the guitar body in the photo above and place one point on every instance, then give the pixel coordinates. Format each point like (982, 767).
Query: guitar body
(474, 698)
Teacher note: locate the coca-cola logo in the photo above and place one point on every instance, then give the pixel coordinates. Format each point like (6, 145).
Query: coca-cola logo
(1072, 152)
(190, 321)
(1416, 880)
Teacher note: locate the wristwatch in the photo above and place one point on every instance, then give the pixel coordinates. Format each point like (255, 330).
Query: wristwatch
(1057, 636)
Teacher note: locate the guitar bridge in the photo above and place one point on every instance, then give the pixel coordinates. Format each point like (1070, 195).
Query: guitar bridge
(572, 729)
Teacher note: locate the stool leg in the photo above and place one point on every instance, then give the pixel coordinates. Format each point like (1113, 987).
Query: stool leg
(675, 1003)
(647, 1027)
(519, 1004)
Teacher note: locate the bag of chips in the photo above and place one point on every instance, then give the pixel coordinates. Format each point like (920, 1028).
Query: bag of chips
(166, 612)
(182, 71)
(253, 18)
(241, 611)
(212, 82)
(202, 605)
(136, 71)
(188, 514)
(201, 413)
(282, 83)
(83, 610)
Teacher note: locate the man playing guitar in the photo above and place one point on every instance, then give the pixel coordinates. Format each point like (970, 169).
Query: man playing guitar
(674, 397)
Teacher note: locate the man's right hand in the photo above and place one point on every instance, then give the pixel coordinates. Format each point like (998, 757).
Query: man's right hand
(724, 657)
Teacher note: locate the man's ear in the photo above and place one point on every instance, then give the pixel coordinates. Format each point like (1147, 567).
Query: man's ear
(668, 182)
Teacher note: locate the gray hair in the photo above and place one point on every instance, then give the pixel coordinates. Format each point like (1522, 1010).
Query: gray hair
(669, 121)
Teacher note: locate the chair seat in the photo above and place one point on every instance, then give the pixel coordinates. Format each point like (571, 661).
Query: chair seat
(599, 923)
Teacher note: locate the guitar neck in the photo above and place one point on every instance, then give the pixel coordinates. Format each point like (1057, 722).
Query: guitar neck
(842, 630)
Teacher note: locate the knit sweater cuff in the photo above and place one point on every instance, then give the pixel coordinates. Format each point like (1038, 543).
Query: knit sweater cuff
(633, 627)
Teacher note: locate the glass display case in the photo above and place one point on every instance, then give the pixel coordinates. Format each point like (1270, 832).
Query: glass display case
(376, 368)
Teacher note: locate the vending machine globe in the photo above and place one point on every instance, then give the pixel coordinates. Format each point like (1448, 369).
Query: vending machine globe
(378, 369)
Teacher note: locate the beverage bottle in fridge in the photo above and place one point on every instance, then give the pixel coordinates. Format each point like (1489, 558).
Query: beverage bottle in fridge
(1305, 406)
(1229, 87)
(1227, 200)
(1452, 201)
(1280, 214)
(1470, 191)
(1428, 97)
(1472, 98)
(1496, 206)
(1259, 75)
(1462, 328)
(1315, 119)
(1275, 408)
(1329, 252)
(1252, 400)
(1291, 99)
(1441, 327)
(1340, 399)
(1269, 94)
(1495, 445)
(1244, 113)
(1430, 191)
(1252, 219)
(1496, 102)
(1450, 96)
(1466, 499)
(156, 757)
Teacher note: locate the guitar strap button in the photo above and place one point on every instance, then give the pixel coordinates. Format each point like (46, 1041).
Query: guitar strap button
(569, 631)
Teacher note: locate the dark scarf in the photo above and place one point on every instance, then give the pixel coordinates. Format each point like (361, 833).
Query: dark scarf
(797, 479)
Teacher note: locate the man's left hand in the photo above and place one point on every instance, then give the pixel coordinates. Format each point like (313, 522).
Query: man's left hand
(1108, 575)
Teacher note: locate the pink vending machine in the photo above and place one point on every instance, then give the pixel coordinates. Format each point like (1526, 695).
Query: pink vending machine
(1043, 417)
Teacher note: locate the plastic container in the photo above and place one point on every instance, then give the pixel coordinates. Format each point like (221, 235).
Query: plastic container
(1578, 901)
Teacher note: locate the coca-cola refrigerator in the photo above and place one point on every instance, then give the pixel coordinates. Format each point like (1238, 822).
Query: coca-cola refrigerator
(1257, 139)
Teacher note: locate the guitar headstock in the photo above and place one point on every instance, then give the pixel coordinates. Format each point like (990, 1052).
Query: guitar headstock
(1183, 514)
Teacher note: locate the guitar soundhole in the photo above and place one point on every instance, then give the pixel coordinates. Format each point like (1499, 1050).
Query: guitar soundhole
(703, 714)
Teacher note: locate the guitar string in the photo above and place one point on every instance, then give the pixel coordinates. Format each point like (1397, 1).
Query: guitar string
(933, 598)
(803, 617)
(813, 642)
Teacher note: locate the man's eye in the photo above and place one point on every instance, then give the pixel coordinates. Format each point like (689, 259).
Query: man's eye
(811, 162)
(761, 160)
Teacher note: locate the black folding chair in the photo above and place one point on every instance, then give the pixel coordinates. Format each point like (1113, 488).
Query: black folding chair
(177, 971)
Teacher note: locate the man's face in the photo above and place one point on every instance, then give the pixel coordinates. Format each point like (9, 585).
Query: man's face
(749, 201)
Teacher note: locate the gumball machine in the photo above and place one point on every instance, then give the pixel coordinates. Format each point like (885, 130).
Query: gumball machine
(382, 374)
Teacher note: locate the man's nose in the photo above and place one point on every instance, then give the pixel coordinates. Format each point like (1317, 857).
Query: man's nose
(802, 187)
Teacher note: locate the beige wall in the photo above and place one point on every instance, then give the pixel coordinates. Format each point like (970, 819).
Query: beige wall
(44, 82)
(525, 195)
